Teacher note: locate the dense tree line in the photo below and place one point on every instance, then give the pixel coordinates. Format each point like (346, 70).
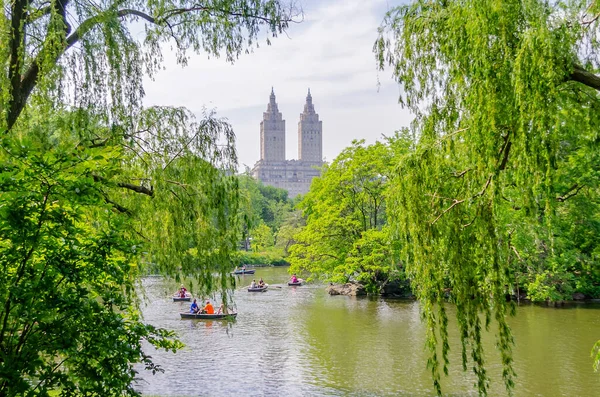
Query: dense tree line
(269, 220)
(355, 189)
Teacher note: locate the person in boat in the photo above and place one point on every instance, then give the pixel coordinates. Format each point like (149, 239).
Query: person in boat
(253, 284)
(208, 309)
(261, 283)
(294, 279)
(222, 309)
(182, 291)
(194, 307)
(244, 268)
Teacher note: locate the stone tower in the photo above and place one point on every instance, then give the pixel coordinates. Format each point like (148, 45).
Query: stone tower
(310, 131)
(272, 133)
(273, 169)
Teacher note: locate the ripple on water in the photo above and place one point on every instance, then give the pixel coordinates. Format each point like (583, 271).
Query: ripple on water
(298, 341)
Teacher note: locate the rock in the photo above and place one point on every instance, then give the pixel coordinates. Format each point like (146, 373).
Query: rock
(350, 289)
(578, 296)
(396, 288)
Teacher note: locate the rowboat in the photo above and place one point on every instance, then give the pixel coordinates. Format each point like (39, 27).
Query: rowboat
(258, 289)
(178, 298)
(200, 316)
(244, 271)
(299, 282)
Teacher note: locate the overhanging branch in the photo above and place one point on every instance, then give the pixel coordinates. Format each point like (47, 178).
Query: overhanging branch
(457, 201)
(117, 206)
(570, 193)
(129, 186)
(582, 76)
(22, 86)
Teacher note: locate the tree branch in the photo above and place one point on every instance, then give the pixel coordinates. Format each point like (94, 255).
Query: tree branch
(177, 11)
(117, 206)
(439, 141)
(328, 255)
(96, 143)
(487, 184)
(570, 193)
(516, 252)
(37, 14)
(135, 188)
(454, 204)
(15, 60)
(22, 87)
(183, 185)
(461, 174)
(582, 76)
(456, 201)
(506, 151)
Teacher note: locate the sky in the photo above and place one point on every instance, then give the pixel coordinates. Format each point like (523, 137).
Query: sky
(330, 52)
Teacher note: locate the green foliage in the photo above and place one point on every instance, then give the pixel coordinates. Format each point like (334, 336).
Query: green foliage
(501, 188)
(67, 286)
(267, 220)
(95, 190)
(262, 237)
(263, 204)
(190, 224)
(596, 355)
(345, 212)
(271, 257)
(286, 235)
(374, 259)
(106, 71)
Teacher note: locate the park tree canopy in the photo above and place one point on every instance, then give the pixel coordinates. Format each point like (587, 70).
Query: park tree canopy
(507, 120)
(96, 190)
(346, 236)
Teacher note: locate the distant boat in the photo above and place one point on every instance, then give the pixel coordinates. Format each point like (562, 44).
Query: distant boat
(179, 298)
(258, 289)
(244, 271)
(299, 282)
(200, 316)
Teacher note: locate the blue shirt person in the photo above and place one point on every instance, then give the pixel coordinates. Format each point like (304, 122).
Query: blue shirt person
(194, 307)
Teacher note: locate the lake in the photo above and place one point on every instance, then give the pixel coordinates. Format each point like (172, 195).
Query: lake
(299, 341)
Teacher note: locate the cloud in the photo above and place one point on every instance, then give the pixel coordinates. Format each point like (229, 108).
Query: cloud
(330, 53)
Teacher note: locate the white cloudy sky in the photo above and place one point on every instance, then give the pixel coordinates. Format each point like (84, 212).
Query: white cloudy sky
(330, 52)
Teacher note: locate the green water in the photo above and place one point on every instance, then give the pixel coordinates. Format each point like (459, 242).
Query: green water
(299, 341)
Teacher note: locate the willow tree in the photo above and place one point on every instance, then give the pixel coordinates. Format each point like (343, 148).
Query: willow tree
(95, 189)
(506, 104)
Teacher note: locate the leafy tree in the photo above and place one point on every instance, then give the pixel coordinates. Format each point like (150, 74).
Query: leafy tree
(95, 190)
(262, 237)
(507, 119)
(345, 212)
(276, 205)
(69, 268)
(263, 204)
(286, 235)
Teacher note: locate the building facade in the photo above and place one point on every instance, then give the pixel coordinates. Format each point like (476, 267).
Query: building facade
(273, 169)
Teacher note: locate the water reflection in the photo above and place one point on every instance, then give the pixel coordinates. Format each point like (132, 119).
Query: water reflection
(298, 341)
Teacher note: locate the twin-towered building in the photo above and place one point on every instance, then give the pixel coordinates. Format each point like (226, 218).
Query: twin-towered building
(273, 169)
